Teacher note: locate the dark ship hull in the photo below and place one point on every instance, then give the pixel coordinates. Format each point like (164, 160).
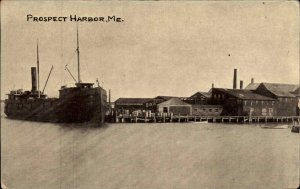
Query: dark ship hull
(82, 105)
(76, 105)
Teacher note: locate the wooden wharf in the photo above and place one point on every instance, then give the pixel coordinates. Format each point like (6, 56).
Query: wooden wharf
(168, 118)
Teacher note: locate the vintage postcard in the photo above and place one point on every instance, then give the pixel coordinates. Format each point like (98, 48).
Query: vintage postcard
(150, 94)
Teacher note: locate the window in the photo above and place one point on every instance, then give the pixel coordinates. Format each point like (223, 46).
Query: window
(270, 111)
(195, 109)
(165, 109)
(204, 109)
(264, 111)
(210, 110)
(216, 110)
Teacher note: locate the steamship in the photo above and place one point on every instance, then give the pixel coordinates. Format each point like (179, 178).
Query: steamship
(82, 103)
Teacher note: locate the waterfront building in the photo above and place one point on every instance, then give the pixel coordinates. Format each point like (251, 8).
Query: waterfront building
(129, 105)
(206, 110)
(175, 106)
(199, 98)
(241, 102)
(286, 94)
(151, 104)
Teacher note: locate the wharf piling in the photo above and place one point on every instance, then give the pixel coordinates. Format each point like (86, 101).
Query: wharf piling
(169, 118)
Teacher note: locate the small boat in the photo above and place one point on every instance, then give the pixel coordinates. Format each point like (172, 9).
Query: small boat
(198, 121)
(295, 129)
(275, 127)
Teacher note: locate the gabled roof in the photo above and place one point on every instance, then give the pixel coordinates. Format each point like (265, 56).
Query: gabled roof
(244, 94)
(174, 101)
(132, 100)
(165, 97)
(297, 92)
(205, 94)
(281, 90)
(252, 86)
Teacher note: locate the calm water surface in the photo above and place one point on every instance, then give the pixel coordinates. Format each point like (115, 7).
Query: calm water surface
(44, 155)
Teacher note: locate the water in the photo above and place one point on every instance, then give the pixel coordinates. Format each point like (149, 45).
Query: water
(171, 155)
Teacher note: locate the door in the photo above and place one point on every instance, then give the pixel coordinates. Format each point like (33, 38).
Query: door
(271, 112)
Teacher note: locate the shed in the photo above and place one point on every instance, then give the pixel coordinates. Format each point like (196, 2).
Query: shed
(175, 106)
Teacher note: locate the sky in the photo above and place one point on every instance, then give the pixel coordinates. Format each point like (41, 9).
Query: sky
(161, 48)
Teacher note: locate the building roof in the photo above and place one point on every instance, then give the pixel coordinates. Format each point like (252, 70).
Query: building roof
(244, 94)
(165, 97)
(205, 94)
(252, 86)
(132, 100)
(282, 90)
(297, 92)
(174, 101)
(206, 106)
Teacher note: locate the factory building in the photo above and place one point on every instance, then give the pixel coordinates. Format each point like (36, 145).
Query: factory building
(241, 102)
(286, 94)
(206, 110)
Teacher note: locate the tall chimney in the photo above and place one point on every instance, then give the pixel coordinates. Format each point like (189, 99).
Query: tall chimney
(241, 84)
(33, 80)
(252, 80)
(212, 85)
(234, 78)
(109, 96)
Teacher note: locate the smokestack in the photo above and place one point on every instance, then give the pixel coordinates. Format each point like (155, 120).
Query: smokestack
(33, 79)
(109, 96)
(212, 85)
(241, 84)
(234, 78)
(252, 80)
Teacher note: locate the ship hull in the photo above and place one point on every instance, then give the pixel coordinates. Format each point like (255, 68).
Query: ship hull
(77, 105)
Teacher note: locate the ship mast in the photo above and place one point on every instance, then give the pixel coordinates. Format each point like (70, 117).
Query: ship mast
(79, 80)
(38, 68)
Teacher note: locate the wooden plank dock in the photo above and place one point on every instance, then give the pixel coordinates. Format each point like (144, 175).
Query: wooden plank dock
(168, 118)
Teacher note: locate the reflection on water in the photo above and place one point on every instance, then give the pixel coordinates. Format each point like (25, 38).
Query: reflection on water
(171, 155)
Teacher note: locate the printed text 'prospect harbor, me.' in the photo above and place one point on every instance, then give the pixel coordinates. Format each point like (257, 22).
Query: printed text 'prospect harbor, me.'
(73, 18)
